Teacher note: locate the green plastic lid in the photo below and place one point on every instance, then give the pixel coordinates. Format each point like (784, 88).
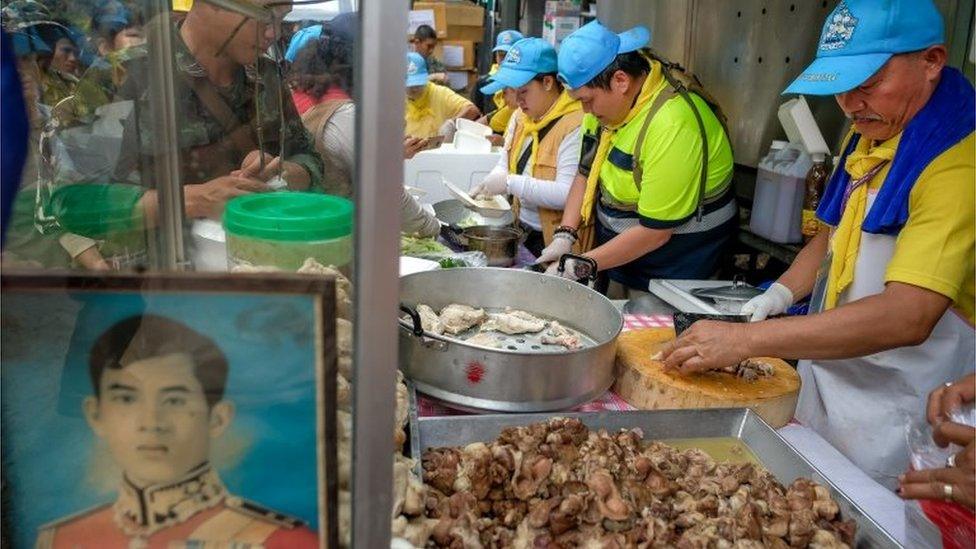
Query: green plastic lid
(289, 216)
(97, 210)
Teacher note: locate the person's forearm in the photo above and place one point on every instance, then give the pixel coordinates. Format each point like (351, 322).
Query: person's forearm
(308, 172)
(148, 204)
(802, 274)
(893, 318)
(574, 203)
(627, 246)
(470, 112)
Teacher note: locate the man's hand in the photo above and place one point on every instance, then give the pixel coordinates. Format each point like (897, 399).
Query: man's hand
(707, 345)
(946, 399)
(448, 129)
(413, 145)
(294, 174)
(495, 183)
(209, 199)
(930, 483)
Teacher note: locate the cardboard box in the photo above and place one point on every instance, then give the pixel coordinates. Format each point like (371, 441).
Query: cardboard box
(452, 20)
(461, 81)
(456, 54)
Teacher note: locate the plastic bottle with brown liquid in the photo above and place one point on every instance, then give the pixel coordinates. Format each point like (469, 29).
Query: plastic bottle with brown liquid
(816, 179)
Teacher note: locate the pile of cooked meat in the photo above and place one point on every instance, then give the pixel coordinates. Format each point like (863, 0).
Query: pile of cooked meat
(455, 319)
(558, 484)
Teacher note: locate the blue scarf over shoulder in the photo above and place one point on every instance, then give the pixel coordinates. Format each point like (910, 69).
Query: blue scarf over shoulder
(948, 117)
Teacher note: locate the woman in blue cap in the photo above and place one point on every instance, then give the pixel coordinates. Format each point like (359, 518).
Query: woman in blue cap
(656, 173)
(497, 107)
(542, 141)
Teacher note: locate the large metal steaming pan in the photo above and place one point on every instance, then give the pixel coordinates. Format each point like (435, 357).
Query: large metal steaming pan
(506, 380)
(777, 455)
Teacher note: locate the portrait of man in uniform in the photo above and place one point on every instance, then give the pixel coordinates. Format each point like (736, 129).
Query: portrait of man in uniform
(158, 403)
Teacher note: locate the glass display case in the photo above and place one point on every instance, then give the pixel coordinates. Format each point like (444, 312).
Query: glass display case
(206, 141)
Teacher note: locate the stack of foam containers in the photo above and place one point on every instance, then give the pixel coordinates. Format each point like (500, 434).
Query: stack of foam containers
(464, 162)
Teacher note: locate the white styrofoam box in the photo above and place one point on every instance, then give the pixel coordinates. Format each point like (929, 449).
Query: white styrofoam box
(470, 126)
(427, 169)
(465, 142)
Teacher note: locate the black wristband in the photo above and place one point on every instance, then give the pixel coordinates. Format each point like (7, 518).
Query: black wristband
(568, 230)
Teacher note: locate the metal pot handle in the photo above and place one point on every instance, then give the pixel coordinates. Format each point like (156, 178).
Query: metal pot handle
(591, 277)
(418, 329)
(454, 234)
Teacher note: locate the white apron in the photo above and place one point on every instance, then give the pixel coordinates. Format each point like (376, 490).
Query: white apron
(861, 405)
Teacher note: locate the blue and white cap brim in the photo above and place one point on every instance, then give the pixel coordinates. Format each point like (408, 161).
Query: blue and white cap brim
(502, 47)
(837, 74)
(633, 39)
(507, 77)
(419, 79)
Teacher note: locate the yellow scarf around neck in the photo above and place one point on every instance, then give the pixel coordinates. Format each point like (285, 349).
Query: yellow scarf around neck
(529, 129)
(649, 90)
(846, 241)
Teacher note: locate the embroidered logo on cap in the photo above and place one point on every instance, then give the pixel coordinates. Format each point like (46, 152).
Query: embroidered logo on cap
(506, 39)
(514, 56)
(411, 68)
(819, 77)
(839, 30)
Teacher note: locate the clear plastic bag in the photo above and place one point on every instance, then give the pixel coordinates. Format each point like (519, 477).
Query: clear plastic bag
(451, 260)
(928, 520)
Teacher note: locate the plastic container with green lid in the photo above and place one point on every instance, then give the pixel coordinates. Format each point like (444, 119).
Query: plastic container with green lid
(283, 229)
(106, 213)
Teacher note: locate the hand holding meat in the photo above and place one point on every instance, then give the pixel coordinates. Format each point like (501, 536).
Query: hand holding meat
(495, 183)
(707, 345)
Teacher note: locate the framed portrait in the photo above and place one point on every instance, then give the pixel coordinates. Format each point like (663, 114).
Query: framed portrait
(168, 411)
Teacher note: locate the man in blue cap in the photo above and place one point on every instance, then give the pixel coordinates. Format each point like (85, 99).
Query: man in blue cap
(892, 306)
(431, 109)
(656, 169)
(497, 109)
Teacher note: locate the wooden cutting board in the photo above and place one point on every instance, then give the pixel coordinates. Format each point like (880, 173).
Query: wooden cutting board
(643, 383)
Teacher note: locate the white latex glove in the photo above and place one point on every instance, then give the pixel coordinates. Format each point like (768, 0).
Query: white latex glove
(495, 183)
(448, 129)
(774, 301)
(561, 244)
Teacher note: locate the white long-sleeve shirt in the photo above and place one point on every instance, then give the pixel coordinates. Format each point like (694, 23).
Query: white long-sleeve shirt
(339, 138)
(533, 192)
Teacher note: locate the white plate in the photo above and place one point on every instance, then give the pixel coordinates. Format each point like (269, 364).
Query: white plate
(497, 206)
(410, 265)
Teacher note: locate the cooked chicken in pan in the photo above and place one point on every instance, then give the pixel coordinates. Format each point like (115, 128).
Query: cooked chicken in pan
(513, 322)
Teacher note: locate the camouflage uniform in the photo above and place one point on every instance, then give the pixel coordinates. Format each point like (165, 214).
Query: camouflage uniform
(207, 147)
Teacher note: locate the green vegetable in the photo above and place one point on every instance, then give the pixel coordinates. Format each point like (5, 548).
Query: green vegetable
(414, 246)
(451, 263)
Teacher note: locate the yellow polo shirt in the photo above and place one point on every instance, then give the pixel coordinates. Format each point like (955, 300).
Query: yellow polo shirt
(426, 114)
(935, 249)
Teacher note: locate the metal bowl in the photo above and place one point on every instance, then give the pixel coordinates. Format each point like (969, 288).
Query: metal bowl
(504, 380)
(453, 212)
(500, 244)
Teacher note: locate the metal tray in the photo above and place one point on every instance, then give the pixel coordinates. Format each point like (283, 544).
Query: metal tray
(779, 458)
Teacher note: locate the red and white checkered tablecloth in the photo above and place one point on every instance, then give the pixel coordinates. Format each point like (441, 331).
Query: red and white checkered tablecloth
(610, 401)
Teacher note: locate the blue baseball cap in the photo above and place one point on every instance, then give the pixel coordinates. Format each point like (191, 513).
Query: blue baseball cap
(301, 39)
(527, 58)
(506, 39)
(860, 36)
(588, 51)
(416, 70)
